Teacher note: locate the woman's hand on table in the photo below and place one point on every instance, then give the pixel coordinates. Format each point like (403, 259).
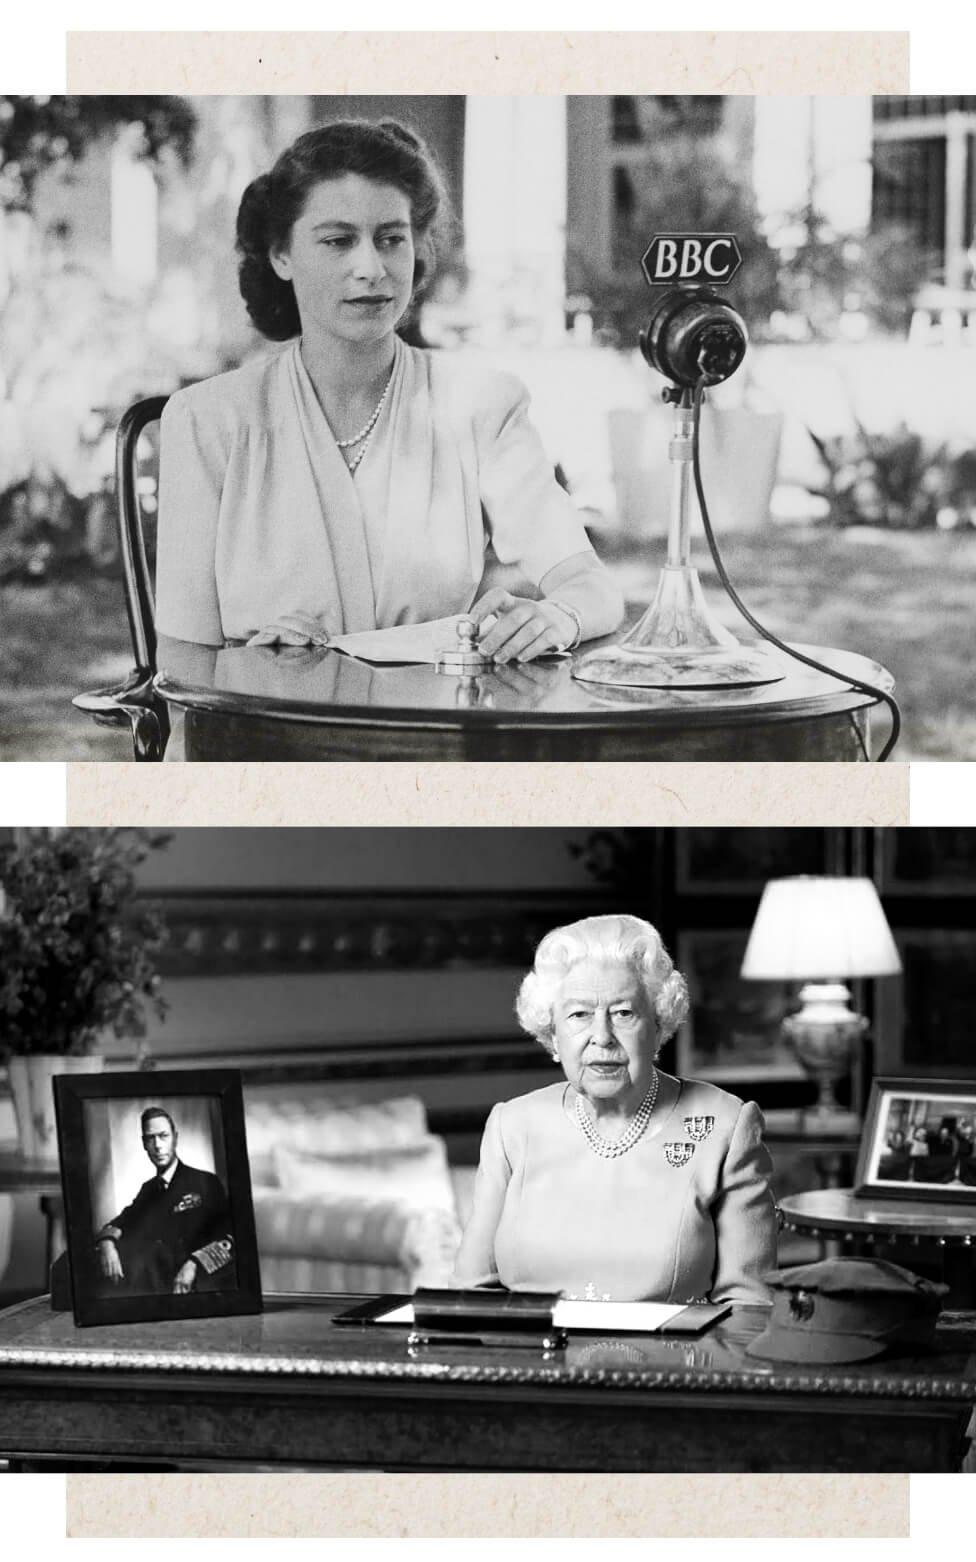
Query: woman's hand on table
(522, 629)
(529, 683)
(292, 629)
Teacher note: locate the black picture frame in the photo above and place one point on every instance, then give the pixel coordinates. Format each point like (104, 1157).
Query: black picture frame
(902, 1111)
(94, 1114)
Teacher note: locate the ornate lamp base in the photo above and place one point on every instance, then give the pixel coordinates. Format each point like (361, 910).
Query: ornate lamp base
(823, 1034)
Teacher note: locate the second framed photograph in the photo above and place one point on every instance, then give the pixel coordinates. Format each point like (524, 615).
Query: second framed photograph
(157, 1195)
(919, 1141)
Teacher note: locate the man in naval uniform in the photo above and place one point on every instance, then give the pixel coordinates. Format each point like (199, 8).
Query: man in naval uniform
(175, 1235)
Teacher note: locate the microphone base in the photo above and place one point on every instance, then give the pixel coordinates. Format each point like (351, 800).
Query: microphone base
(618, 666)
(679, 644)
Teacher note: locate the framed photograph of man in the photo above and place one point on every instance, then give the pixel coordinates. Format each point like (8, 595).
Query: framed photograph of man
(157, 1195)
(919, 1141)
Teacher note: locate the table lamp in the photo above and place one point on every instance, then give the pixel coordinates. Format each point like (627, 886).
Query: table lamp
(822, 932)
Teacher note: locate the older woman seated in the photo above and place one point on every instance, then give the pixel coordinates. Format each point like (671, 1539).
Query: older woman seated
(619, 1181)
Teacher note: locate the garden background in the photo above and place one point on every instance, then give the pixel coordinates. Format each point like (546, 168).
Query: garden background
(840, 461)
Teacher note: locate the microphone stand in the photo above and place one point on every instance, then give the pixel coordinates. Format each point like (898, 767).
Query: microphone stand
(678, 643)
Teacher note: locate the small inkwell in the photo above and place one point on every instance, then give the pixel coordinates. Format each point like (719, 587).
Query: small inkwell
(467, 656)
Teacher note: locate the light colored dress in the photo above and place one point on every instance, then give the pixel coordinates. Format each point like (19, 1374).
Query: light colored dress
(260, 518)
(685, 1214)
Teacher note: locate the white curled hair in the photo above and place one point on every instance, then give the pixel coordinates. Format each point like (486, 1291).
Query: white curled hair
(611, 940)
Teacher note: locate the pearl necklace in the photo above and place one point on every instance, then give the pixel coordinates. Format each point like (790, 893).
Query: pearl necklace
(363, 437)
(610, 1148)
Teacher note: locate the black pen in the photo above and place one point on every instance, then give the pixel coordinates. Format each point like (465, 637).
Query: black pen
(540, 1342)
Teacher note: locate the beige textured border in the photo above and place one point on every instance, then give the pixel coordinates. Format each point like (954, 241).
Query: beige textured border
(463, 1506)
(743, 62)
(455, 1505)
(487, 794)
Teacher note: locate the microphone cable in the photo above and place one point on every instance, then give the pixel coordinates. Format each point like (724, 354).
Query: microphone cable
(767, 634)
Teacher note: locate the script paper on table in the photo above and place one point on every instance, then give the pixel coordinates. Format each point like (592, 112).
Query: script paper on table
(403, 643)
(612, 1317)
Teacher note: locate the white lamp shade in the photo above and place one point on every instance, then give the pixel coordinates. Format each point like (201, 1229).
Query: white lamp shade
(810, 929)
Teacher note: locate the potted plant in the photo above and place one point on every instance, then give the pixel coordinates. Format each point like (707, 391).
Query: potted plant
(77, 961)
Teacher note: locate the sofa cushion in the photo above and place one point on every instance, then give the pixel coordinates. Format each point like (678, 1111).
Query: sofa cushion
(417, 1175)
(357, 1230)
(319, 1124)
(336, 1275)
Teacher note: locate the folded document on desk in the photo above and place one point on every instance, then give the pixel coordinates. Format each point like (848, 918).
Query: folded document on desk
(591, 1317)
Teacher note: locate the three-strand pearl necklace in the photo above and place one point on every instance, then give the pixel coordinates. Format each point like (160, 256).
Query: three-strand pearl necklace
(365, 433)
(609, 1148)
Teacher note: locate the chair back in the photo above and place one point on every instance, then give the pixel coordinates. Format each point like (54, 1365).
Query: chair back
(139, 594)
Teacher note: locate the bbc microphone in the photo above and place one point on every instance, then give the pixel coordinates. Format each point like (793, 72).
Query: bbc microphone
(695, 339)
(694, 335)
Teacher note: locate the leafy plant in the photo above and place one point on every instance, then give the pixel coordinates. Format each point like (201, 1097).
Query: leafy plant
(824, 274)
(684, 184)
(72, 337)
(38, 133)
(897, 479)
(42, 528)
(77, 945)
(895, 264)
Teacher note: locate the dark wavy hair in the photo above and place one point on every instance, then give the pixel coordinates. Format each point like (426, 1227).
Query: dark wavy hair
(155, 1111)
(382, 150)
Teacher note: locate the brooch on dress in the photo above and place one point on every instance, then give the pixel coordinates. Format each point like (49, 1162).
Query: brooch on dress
(678, 1154)
(699, 1128)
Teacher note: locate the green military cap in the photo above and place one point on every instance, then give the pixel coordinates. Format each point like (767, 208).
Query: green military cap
(846, 1309)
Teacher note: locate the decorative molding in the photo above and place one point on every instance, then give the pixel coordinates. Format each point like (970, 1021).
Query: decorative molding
(873, 1380)
(554, 1376)
(278, 933)
(446, 1055)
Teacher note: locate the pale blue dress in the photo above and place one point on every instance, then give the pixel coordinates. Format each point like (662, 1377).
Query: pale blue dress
(685, 1215)
(260, 518)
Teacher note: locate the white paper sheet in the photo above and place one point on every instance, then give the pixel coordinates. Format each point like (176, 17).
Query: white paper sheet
(404, 643)
(605, 1317)
(614, 1317)
(402, 1314)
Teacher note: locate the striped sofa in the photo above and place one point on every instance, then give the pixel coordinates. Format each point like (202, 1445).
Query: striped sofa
(351, 1195)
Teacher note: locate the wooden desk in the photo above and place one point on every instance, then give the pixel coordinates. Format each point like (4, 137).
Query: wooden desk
(313, 704)
(290, 1388)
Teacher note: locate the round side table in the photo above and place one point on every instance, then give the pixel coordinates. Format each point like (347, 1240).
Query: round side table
(255, 702)
(840, 1219)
